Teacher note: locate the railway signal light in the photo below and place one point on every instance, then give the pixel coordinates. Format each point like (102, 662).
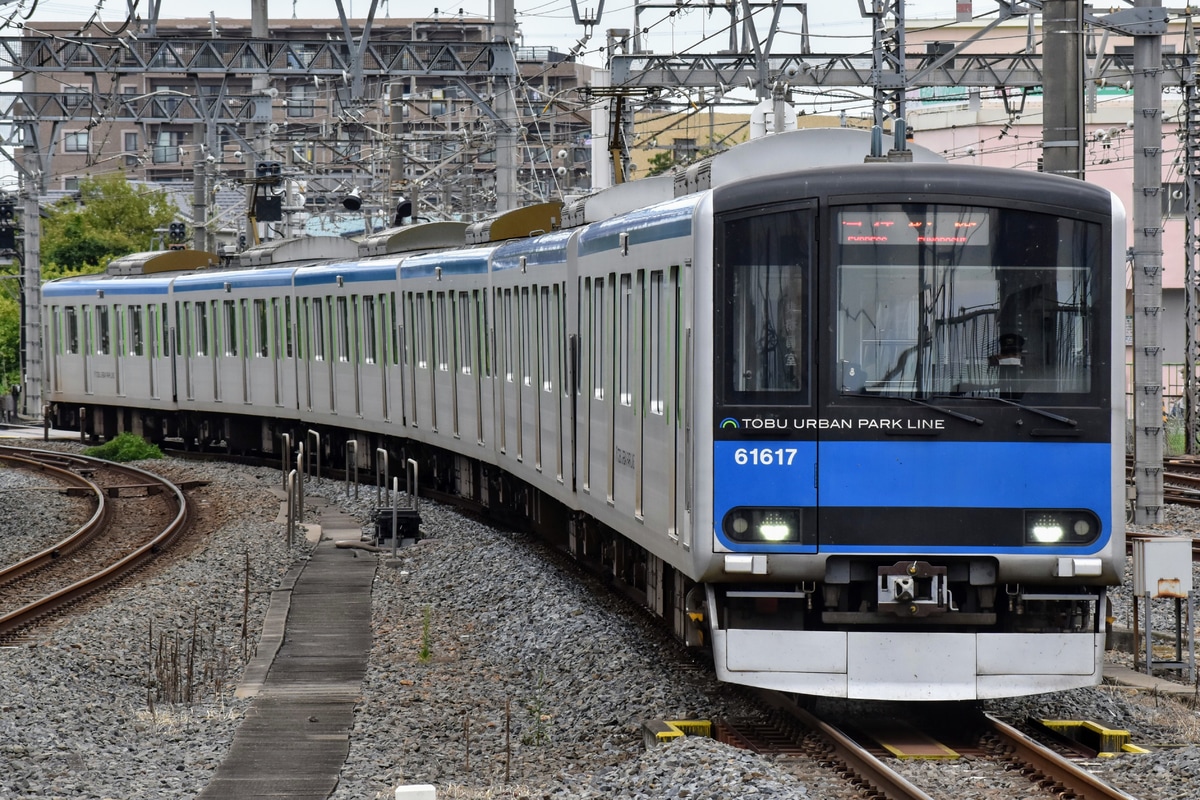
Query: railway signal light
(270, 172)
(8, 233)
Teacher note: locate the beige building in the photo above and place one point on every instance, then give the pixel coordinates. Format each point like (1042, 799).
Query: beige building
(431, 135)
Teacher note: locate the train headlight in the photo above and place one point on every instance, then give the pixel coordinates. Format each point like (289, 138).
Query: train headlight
(1061, 527)
(763, 525)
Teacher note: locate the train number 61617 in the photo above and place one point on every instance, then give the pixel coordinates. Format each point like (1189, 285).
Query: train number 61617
(765, 456)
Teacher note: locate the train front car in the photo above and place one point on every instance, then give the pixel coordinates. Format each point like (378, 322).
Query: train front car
(918, 431)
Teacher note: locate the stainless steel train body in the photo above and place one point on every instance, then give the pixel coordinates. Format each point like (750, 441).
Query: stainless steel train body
(859, 430)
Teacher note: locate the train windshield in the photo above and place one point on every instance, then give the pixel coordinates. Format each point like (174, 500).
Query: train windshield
(941, 299)
(767, 310)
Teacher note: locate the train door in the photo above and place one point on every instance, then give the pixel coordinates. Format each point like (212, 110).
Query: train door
(356, 355)
(218, 337)
(329, 337)
(250, 347)
(456, 361)
(766, 425)
(89, 355)
(307, 348)
(475, 348)
(189, 349)
(275, 351)
(121, 351)
(465, 397)
(153, 354)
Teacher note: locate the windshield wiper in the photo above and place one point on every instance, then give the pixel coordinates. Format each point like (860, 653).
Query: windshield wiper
(1022, 406)
(947, 411)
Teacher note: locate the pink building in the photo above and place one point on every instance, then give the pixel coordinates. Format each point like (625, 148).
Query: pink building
(983, 126)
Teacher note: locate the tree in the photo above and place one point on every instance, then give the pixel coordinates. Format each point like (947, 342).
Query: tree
(112, 218)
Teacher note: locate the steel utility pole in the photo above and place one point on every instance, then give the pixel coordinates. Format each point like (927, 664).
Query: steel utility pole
(1147, 252)
(1062, 103)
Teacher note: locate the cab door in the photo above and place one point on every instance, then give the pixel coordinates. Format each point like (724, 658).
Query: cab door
(766, 423)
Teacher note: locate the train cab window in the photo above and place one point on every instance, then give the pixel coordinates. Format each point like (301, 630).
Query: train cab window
(765, 261)
(947, 299)
(72, 321)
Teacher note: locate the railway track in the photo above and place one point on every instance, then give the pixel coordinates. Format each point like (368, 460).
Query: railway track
(136, 515)
(864, 752)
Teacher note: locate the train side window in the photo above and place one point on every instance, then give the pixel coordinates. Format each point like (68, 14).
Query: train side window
(525, 315)
(88, 331)
(287, 326)
(441, 323)
(545, 345)
(508, 333)
(420, 331)
(119, 320)
(165, 327)
(355, 332)
(485, 343)
(394, 328)
(624, 341)
(230, 323)
(72, 330)
(262, 342)
(136, 347)
(656, 339)
(560, 337)
(103, 331)
(318, 330)
(202, 329)
(597, 337)
(370, 332)
(466, 342)
(343, 330)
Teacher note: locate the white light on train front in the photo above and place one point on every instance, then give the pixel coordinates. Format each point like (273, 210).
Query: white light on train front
(763, 525)
(1065, 527)
(1047, 533)
(774, 528)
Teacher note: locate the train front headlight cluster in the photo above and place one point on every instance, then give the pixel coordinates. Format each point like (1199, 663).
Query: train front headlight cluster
(763, 525)
(1046, 527)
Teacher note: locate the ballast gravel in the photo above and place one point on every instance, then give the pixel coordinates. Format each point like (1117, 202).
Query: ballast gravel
(497, 672)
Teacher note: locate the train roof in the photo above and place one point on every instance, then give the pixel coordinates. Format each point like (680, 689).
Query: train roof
(99, 284)
(229, 279)
(304, 248)
(790, 150)
(411, 238)
(162, 261)
(868, 181)
(545, 250)
(473, 261)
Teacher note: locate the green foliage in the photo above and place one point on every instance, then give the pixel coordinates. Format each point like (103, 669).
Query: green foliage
(660, 163)
(426, 651)
(10, 338)
(126, 447)
(112, 218)
(539, 721)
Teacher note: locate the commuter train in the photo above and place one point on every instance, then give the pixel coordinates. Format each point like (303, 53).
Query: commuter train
(855, 428)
